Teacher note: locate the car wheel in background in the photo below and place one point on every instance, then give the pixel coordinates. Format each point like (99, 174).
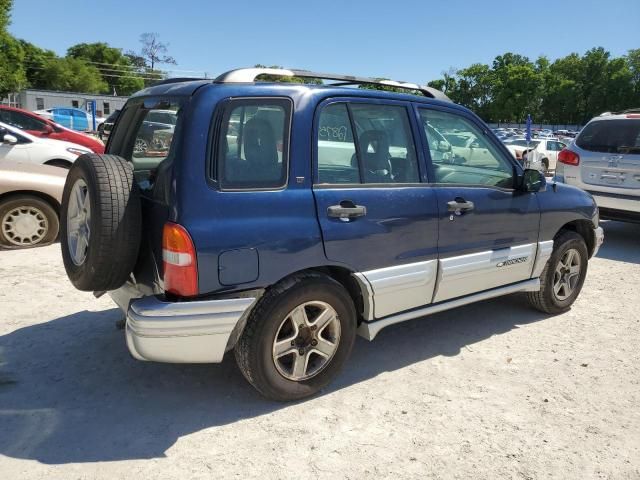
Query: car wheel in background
(27, 221)
(140, 146)
(563, 275)
(100, 222)
(298, 337)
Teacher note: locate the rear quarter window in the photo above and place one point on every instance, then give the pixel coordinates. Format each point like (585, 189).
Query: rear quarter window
(253, 144)
(611, 136)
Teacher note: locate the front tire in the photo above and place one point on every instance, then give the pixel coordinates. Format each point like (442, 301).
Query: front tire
(27, 221)
(563, 275)
(298, 337)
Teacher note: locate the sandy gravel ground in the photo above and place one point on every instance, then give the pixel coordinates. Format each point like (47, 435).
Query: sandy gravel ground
(490, 391)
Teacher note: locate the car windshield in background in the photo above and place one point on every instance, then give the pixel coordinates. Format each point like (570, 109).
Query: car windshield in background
(611, 136)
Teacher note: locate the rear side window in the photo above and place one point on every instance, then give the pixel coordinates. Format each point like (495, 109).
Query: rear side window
(611, 136)
(362, 143)
(253, 144)
(20, 120)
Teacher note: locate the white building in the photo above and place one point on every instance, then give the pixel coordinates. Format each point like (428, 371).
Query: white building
(31, 99)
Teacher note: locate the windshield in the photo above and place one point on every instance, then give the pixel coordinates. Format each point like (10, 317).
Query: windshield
(611, 136)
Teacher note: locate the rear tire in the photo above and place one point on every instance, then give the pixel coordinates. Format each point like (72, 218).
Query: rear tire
(560, 285)
(277, 337)
(27, 221)
(100, 222)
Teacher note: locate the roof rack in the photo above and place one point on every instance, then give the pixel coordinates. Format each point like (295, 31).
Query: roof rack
(249, 75)
(176, 80)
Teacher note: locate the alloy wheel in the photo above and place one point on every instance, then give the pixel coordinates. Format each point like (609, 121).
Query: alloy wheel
(306, 340)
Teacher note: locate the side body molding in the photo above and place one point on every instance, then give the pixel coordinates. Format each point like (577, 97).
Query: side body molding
(393, 289)
(467, 274)
(395, 294)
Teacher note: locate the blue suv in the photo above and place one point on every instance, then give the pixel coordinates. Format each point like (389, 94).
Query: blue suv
(279, 220)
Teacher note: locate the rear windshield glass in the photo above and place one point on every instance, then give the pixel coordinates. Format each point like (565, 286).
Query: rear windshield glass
(611, 136)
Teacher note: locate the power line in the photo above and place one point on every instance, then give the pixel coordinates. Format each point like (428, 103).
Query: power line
(132, 66)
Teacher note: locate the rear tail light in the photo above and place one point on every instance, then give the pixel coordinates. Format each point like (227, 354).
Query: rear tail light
(179, 261)
(568, 157)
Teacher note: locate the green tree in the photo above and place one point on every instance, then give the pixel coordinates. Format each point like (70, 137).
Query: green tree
(72, 75)
(116, 69)
(12, 74)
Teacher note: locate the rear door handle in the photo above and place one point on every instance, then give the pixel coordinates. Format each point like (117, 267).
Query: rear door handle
(346, 210)
(460, 205)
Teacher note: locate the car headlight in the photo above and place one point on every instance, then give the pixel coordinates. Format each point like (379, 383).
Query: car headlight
(77, 151)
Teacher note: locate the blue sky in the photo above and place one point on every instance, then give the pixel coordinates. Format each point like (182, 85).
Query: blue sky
(409, 40)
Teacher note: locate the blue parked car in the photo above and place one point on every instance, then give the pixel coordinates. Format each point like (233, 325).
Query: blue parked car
(280, 220)
(73, 118)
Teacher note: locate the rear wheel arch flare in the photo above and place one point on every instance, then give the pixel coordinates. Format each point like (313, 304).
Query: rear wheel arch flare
(342, 275)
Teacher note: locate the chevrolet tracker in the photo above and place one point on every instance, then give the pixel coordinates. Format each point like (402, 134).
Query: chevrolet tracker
(278, 220)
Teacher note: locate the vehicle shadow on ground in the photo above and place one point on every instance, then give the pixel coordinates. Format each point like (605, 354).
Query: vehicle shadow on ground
(70, 391)
(621, 242)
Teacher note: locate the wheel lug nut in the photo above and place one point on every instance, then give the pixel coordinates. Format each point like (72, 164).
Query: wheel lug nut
(293, 342)
(300, 326)
(301, 351)
(314, 342)
(313, 327)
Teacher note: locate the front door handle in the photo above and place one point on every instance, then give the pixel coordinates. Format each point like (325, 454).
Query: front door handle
(346, 210)
(460, 205)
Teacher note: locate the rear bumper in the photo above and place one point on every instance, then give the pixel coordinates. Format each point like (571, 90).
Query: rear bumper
(183, 332)
(618, 203)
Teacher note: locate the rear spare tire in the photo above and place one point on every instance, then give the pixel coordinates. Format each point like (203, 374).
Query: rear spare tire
(100, 222)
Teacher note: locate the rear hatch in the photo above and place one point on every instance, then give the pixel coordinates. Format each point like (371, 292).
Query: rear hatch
(609, 152)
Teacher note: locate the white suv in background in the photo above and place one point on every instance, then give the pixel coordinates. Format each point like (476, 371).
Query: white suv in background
(604, 160)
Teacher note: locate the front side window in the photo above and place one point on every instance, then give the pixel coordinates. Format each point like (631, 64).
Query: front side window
(253, 144)
(473, 162)
(365, 143)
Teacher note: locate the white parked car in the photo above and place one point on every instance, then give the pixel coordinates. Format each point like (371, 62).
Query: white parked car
(18, 146)
(518, 147)
(604, 160)
(468, 147)
(544, 156)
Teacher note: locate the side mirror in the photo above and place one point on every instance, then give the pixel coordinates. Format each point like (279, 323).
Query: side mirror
(444, 146)
(9, 139)
(533, 181)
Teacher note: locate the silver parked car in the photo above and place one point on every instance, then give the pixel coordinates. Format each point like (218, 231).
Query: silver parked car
(604, 160)
(30, 197)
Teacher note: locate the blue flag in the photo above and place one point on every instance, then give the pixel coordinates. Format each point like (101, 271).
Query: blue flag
(528, 133)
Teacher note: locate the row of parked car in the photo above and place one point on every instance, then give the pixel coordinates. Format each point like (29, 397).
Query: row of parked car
(35, 154)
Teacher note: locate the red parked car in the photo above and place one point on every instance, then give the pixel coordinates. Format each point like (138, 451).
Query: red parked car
(42, 127)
